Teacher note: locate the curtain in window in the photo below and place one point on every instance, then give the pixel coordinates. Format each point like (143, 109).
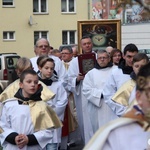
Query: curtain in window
(63, 6)
(35, 6)
(71, 6)
(7, 2)
(43, 6)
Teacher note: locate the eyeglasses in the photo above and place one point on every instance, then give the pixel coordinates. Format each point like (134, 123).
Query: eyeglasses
(41, 46)
(65, 53)
(103, 58)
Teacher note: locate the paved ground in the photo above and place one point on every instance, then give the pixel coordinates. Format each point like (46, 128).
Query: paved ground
(79, 146)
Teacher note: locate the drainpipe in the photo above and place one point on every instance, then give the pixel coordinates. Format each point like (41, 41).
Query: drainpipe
(89, 9)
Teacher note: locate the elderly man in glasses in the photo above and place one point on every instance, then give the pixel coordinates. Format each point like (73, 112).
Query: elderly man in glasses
(42, 47)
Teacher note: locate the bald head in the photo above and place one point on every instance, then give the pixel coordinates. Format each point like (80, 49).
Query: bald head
(109, 49)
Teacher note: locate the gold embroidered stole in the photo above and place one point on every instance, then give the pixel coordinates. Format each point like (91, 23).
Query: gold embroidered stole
(123, 94)
(66, 65)
(42, 116)
(134, 114)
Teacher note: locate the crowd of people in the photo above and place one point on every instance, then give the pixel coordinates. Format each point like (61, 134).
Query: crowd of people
(51, 105)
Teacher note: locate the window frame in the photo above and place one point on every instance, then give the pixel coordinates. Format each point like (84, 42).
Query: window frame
(40, 35)
(68, 37)
(13, 4)
(39, 7)
(67, 7)
(8, 36)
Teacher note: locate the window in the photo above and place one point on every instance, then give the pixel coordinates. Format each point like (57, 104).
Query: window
(9, 35)
(40, 34)
(68, 6)
(8, 2)
(39, 6)
(11, 62)
(68, 37)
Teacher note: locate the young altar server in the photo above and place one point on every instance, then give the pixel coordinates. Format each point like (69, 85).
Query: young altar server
(46, 67)
(130, 132)
(93, 84)
(27, 122)
(119, 74)
(126, 93)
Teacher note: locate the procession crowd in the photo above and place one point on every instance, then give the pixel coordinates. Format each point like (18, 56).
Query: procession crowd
(52, 105)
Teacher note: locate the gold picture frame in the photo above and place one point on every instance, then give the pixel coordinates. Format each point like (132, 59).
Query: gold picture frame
(102, 32)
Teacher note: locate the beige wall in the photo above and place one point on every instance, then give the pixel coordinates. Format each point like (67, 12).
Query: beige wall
(16, 19)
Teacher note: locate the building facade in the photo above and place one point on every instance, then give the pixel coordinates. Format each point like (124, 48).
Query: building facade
(23, 22)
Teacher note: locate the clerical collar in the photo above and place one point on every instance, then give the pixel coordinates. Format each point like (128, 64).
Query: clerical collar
(97, 66)
(35, 97)
(48, 81)
(125, 69)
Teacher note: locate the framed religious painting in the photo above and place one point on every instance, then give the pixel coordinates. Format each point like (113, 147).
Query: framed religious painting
(86, 62)
(102, 32)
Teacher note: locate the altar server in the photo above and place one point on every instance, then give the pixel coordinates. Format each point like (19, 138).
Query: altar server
(125, 95)
(26, 121)
(93, 85)
(130, 132)
(119, 74)
(46, 67)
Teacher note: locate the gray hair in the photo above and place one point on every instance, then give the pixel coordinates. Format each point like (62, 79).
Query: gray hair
(69, 48)
(103, 51)
(36, 44)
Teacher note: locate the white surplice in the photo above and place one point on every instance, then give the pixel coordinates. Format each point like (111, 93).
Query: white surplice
(128, 137)
(82, 114)
(120, 134)
(58, 103)
(59, 66)
(98, 110)
(17, 118)
(115, 79)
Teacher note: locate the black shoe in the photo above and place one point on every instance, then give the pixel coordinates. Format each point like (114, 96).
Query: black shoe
(73, 145)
